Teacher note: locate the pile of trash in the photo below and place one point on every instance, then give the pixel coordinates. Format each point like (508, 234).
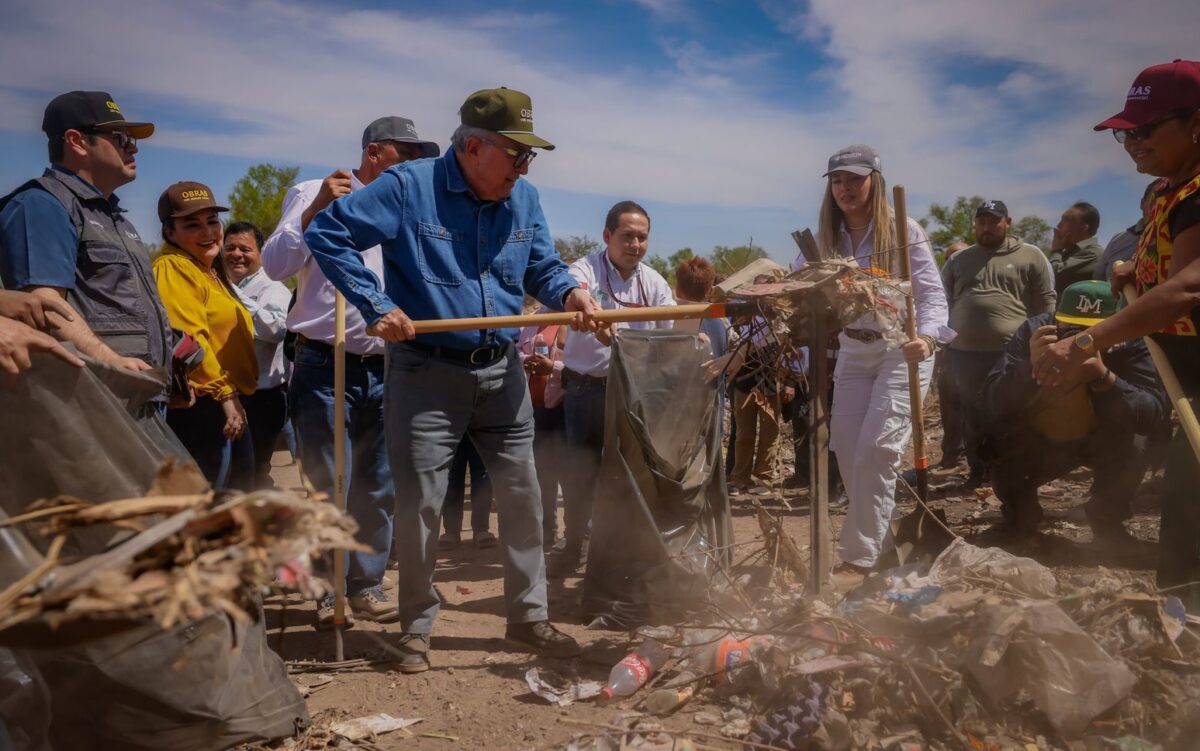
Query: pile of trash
(192, 552)
(979, 650)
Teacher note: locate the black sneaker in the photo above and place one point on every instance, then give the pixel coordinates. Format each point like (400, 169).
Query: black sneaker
(541, 638)
(415, 648)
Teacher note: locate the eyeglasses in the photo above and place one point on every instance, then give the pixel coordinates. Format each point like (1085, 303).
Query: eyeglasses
(124, 140)
(520, 157)
(1142, 132)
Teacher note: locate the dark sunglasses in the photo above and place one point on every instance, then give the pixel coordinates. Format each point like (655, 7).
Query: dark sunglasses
(123, 139)
(1142, 132)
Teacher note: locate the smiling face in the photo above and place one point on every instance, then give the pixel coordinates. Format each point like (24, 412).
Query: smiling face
(627, 244)
(198, 235)
(1169, 150)
(489, 168)
(242, 255)
(851, 193)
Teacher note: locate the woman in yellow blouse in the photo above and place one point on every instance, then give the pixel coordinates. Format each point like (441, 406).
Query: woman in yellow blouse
(201, 301)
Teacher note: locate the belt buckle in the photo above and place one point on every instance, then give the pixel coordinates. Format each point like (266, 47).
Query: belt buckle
(491, 355)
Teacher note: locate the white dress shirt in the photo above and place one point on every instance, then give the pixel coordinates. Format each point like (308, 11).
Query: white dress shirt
(585, 353)
(929, 295)
(267, 302)
(285, 254)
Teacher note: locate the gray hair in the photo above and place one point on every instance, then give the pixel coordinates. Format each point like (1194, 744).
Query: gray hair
(464, 132)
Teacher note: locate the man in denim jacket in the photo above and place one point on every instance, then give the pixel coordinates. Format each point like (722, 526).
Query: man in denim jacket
(462, 236)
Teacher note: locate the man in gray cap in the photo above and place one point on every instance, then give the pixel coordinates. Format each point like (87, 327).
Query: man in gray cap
(370, 497)
(462, 236)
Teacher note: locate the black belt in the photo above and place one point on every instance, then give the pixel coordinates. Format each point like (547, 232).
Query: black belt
(480, 357)
(569, 375)
(304, 341)
(866, 336)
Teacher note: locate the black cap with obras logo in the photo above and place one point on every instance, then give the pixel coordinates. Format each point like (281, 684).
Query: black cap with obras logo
(88, 111)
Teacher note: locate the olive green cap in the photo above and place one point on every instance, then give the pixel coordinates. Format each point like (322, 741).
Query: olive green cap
(1085, 303)
(505, 111)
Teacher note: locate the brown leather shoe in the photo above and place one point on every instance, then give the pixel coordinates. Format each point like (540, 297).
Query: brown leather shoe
(415, 648)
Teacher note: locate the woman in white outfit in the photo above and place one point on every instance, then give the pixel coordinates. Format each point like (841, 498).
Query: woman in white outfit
(872, 413)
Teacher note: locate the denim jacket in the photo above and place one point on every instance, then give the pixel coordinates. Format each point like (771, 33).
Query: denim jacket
(446, 254)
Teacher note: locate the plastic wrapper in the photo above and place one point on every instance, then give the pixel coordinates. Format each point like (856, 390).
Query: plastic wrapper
(1035, 647)
(1023, 576)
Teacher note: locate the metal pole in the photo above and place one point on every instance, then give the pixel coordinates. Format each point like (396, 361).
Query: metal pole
(339, 467)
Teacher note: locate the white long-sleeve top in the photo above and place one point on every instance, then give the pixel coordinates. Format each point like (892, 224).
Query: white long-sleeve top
(267, 301)
(585, 353)
(285, 254)
(933, 315)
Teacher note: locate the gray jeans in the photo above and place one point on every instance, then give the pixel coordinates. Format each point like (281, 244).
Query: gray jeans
(429, 405)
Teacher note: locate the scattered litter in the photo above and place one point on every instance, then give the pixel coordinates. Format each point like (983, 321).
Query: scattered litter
(463, 590)
(559, 689)
(372, 725)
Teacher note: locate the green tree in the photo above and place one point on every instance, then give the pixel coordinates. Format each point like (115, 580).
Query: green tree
(257, 197)
(1034, 230)
(679, 257)
(574, 247)
(729, 260)
(659, 264)
(951, 224)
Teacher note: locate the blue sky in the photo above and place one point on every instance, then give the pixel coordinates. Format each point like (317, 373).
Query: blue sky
(717, 116)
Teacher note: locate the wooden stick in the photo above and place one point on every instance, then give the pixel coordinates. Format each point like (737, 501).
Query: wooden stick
(339, 467)
(620, 315)
(920, 460)
(1183, 407)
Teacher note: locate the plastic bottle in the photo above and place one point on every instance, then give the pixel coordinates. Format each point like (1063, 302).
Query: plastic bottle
(540, 347)
(631, 673)
(720, 657)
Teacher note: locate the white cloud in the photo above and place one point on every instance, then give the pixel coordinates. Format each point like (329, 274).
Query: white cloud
(301, 85)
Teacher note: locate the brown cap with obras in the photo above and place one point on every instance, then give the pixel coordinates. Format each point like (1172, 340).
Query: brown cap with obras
(185, 198)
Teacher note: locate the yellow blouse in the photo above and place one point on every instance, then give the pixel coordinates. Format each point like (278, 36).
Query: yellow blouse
(198, 304)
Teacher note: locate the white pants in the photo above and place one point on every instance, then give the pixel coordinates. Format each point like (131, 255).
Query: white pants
(870, 427)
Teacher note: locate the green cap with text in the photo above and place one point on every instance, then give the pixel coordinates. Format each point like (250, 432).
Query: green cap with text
(1085, 303)
(505, 111)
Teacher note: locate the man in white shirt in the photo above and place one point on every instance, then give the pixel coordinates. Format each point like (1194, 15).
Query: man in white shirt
(616, 278)
(267, 301)
(370, 496)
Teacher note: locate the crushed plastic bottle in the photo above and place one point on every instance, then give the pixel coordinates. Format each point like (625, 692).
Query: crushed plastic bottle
(631, 673)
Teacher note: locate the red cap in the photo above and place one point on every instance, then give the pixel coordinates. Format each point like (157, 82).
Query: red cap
(1156, 92)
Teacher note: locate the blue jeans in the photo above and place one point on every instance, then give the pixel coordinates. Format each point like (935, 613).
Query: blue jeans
(369, 491)
(431, 404)
(456, 491)
(584, 445)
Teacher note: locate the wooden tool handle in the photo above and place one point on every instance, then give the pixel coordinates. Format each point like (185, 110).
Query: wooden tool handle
(620, 315)
(920, 460)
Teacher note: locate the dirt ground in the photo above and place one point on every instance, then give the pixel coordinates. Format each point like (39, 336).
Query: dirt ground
(475, 695)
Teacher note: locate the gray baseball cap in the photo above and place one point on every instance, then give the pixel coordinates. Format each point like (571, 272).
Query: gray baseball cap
(400, 129)
(858, 159)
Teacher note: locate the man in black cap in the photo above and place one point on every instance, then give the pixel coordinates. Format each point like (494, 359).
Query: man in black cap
(992, 287)
(370, 495)
(462, 236)
(65, 236)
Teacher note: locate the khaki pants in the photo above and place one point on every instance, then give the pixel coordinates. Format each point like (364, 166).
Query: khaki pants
(757, 438)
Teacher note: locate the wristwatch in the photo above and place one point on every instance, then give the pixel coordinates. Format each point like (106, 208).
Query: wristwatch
(1085, 342)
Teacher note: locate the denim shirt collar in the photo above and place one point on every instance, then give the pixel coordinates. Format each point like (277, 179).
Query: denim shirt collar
(455, 182)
